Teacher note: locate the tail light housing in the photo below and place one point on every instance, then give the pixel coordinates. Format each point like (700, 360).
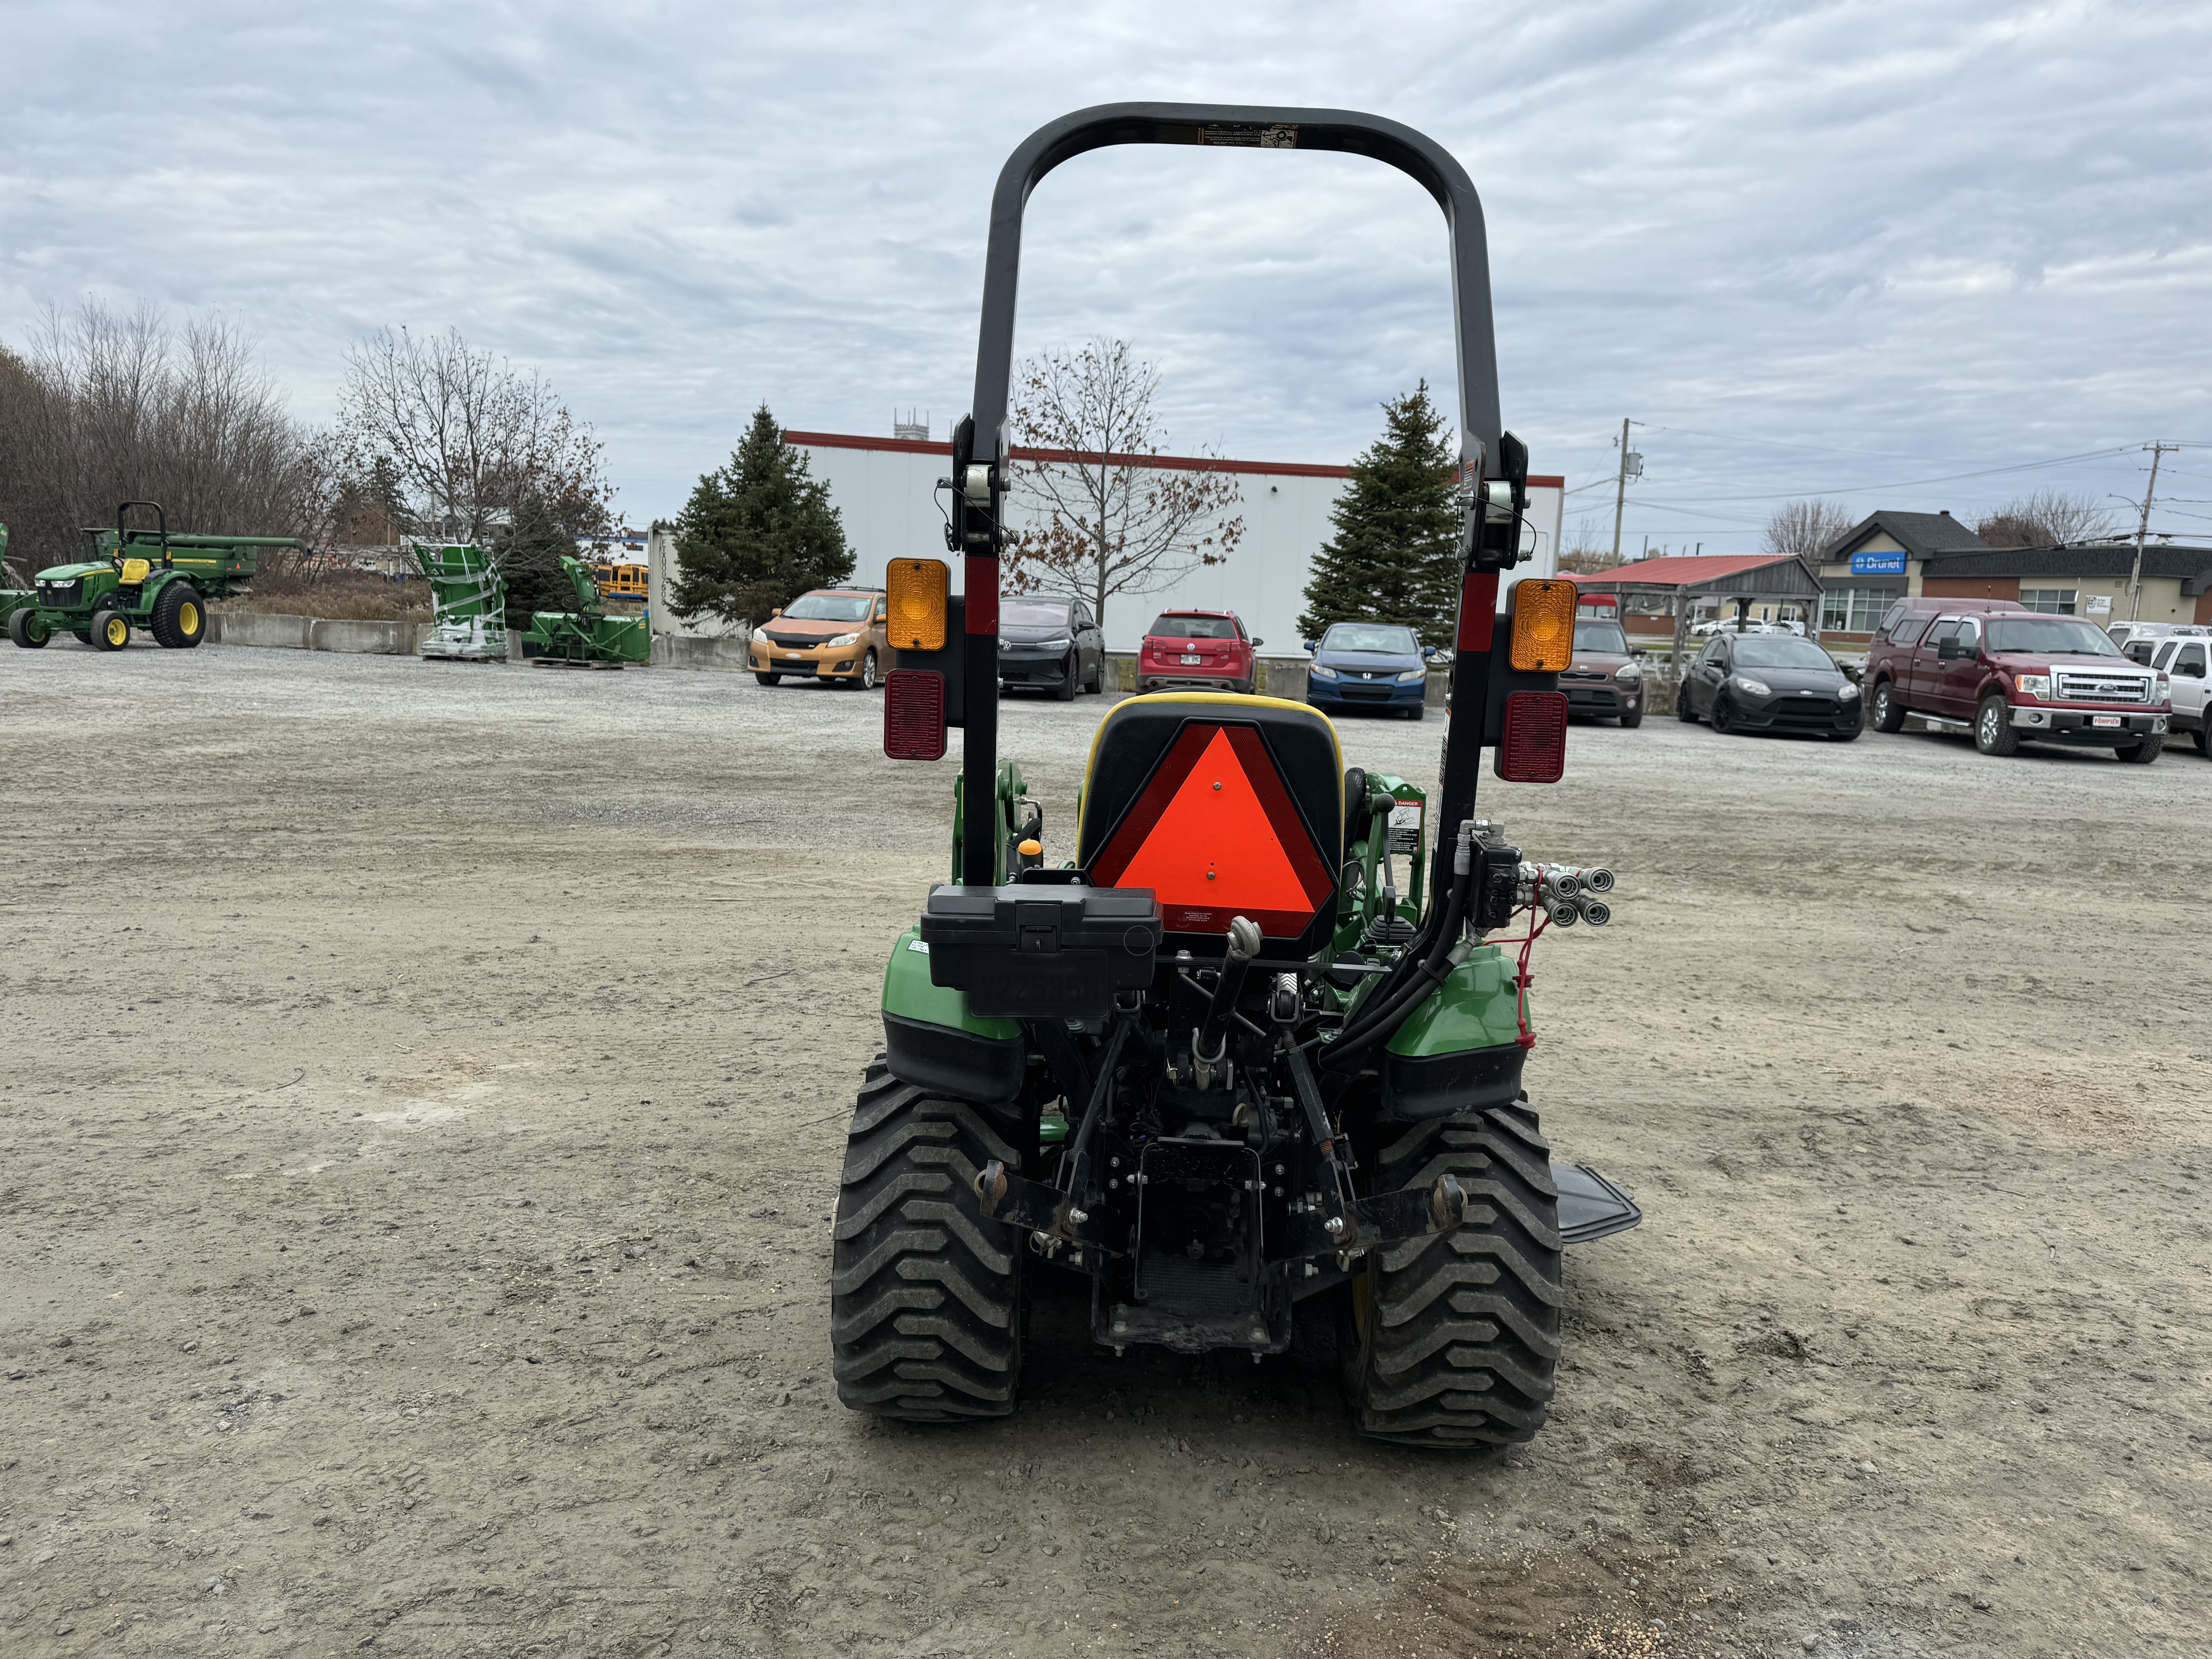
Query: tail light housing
(1532, 743)
(914, 714)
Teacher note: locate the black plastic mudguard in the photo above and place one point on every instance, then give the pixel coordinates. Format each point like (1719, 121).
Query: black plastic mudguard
(1418, 1087)
(960, 1064)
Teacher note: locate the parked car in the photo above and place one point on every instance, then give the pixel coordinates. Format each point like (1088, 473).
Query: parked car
(2185, 658)
(1604, 680)
(833, 634)
(1050, 643)
(1728, 625)
(1363, 664)
(1769, 682)
(1197, 650)
(2010, 675)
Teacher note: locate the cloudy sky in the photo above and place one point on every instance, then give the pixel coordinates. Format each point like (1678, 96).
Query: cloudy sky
(1881, 250)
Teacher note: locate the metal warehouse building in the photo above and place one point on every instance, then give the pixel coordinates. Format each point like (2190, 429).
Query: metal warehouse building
(884, 490)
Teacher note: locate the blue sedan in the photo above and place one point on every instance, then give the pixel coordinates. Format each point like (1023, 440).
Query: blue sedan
(1377, 665)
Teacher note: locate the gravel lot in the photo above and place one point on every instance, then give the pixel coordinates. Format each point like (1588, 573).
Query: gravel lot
(424, 1095)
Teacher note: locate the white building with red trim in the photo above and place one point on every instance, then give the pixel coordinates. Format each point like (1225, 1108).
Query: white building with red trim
(883, 489)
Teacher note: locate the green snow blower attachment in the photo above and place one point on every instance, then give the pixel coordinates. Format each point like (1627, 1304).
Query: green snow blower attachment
(584, 635)
(469, 603)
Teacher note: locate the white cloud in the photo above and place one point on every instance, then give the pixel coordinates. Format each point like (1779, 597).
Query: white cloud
(1975, 233)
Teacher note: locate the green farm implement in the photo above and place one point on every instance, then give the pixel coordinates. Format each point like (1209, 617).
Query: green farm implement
(1251, 1058)
(468, 604)
(584, 635)
(148, 579)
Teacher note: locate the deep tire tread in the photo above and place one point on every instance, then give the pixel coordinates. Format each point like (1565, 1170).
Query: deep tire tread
(1462, 1328)
(925, 1289)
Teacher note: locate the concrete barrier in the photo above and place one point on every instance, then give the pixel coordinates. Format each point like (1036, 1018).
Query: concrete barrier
(260, 628)
(372, 639)
(729, 653)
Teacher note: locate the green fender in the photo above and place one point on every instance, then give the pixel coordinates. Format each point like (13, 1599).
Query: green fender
(1473, 1008)
(932, 1041)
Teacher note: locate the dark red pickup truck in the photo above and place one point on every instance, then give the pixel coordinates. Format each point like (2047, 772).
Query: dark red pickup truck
(2011, 675)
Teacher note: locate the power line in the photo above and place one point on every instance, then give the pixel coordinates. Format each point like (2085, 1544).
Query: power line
(1914, 483)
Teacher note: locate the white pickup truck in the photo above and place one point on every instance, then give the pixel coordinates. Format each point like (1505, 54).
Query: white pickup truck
(2186, 660)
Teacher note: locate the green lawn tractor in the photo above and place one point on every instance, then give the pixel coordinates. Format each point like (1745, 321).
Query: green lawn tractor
(142, 579)
(584, 635)
(1249, 1059)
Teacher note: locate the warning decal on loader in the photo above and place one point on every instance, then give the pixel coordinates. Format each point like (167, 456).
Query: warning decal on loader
(1215, 835)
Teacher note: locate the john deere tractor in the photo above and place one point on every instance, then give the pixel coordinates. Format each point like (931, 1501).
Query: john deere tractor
(1250, 1055)
(143, 579)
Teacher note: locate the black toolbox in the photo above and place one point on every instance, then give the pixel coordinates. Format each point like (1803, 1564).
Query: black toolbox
(1042, 952)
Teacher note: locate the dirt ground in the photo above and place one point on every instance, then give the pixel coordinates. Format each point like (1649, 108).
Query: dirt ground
(425, 1086)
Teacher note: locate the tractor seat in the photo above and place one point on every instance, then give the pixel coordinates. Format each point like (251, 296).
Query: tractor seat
(1223, 806)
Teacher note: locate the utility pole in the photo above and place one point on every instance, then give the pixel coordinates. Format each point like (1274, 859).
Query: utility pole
(1620, 486)
(2142, 529)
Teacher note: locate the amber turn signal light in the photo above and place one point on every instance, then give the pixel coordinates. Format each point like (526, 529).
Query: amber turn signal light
(1543, 625)
(1532, 747)
(919, 590)
(913, 713)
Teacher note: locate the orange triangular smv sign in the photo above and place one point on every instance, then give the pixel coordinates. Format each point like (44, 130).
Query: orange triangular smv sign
(1213, 846)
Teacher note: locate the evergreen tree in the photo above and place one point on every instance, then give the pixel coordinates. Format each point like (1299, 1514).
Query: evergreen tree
(758, 532)
(1395, 557)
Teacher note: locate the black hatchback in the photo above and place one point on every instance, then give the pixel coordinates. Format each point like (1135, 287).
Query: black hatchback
(1770, 683)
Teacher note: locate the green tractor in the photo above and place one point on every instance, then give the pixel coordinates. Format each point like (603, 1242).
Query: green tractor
(1251, 1059)
(144, 579)
(584, 635)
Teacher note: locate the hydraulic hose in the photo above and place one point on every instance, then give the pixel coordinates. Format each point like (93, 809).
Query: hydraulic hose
(1390, 1002)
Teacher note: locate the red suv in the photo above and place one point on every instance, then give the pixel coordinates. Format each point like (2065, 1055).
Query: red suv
(1197, 650)
(2010, 675)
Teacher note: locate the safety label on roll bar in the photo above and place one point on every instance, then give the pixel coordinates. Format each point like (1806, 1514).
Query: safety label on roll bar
(1249, 137)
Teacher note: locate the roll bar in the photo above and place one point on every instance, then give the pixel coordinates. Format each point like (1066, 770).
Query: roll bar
(122, 535)
(981, 451)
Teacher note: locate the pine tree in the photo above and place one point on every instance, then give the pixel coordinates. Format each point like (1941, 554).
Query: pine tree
(758, 532)
(1395, 557)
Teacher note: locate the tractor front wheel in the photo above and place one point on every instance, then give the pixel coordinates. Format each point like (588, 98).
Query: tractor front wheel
(111, 631)
(28, 628)
(179, 618)
(925, 1289)
(1456, 1335)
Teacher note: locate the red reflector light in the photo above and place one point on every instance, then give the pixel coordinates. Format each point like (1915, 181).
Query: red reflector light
(1533, 746)
(914, 714)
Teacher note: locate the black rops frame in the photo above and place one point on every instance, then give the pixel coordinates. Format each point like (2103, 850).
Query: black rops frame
(979, 446)
(122, 535)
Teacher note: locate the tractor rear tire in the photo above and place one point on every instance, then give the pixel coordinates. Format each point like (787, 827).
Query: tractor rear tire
(769, 679)
(27, 630)
(180, 616)
(1458, 1338)
(111, 631)
(925, 1291)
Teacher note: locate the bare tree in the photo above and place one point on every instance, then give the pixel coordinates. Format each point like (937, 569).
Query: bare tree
(106, 408)
(1589, 549)
(456, 441)
(2049, 518)
(1804, 530)
(1107, 519)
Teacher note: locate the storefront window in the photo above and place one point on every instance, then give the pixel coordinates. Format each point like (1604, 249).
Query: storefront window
(2051, 601)
(1856, 610)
